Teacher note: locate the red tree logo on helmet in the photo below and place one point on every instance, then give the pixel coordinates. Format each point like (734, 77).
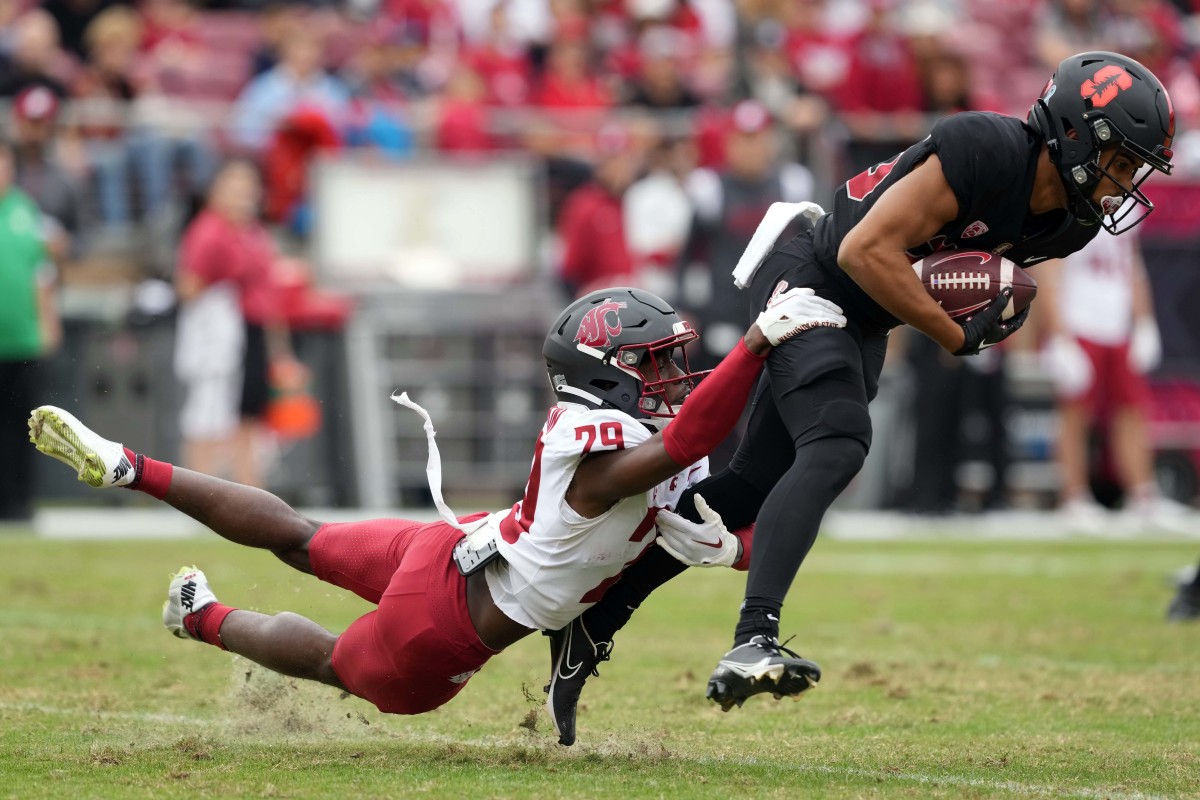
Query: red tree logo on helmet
(1103, 87)
(596, 329)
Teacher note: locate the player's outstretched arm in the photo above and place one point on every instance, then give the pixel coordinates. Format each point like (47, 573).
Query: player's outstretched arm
(708, 416)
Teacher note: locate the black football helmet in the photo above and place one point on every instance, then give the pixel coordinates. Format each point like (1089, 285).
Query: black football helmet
(1098, 99)
(596, 353)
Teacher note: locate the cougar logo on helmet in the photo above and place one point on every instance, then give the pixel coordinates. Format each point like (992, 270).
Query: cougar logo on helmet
(595, 329)
(1103, 87)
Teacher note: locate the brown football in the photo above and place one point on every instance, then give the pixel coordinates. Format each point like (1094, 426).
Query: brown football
(964, 281)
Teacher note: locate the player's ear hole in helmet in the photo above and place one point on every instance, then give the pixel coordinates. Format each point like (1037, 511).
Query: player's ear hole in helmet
(621, 348)
(1104, 115)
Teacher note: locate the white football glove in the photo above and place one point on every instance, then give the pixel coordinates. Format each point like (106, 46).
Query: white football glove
(698, 544)
(1145, 346)
(1068, 366)
(795, 311)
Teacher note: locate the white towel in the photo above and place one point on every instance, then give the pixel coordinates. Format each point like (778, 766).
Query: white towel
(778, 217)
(433, 470)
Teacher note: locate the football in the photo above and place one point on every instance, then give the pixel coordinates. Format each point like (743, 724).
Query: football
(964, 281)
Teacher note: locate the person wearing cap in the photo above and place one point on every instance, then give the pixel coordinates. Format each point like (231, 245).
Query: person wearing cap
(591, 227)
(40, 174)
(729, 203)
(29, 329)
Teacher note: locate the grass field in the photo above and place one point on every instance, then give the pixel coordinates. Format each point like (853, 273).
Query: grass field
(952, 669)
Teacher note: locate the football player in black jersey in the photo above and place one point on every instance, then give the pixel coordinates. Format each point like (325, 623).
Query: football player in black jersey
(1028, 190)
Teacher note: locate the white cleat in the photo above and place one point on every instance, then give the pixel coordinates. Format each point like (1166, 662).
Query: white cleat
(1085, 516)
(187, 594)
(97, 461)
(1160, 514)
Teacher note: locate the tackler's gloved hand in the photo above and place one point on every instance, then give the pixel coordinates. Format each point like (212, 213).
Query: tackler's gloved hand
(795, 311)
(698, 544)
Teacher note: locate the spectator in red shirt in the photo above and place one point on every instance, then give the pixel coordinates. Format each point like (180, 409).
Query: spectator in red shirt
(173, 56)
(231, 327)
(820, 59)
(595, 252)
(882, 98)
(462, 118)
(569, 82)
(502, 61)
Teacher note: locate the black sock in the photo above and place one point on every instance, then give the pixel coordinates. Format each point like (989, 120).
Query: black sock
(608, 616)
(759, 617)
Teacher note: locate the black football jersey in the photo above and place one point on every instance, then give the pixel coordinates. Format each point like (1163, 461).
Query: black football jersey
(989, 160)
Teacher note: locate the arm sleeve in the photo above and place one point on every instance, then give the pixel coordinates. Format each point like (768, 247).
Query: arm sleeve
(746, 537)
(711, 411)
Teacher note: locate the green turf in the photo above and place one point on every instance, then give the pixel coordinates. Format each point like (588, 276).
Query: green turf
(952, 669)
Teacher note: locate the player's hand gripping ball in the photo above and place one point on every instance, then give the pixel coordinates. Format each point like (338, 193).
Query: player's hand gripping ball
(965, 281)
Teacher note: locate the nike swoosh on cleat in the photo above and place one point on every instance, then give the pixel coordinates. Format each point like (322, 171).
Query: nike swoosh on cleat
(570, 669)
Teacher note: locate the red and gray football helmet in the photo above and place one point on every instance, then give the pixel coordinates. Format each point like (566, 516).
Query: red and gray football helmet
(1098, 99)
(596, 353)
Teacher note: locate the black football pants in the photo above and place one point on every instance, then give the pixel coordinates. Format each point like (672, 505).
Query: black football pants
(808, 434)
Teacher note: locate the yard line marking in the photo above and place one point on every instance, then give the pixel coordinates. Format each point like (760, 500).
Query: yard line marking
(853, 772)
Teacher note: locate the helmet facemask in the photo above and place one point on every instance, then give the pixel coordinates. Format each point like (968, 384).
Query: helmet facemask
(1097, 108)
(641, 362)
(1113, 212)
(649, 367)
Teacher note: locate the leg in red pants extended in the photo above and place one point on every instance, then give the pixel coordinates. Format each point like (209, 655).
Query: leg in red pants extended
(412, 654)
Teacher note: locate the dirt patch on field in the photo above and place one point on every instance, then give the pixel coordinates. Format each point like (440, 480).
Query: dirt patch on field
(264, 703)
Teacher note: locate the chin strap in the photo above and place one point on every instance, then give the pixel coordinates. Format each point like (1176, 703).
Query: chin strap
(564, 388)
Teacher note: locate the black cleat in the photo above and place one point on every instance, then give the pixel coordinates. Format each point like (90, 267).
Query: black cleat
(761, 665)
(573, 657)
(1185, 606)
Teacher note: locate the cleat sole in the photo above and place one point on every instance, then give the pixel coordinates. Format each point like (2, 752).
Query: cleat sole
(55, 438)
(730, 688)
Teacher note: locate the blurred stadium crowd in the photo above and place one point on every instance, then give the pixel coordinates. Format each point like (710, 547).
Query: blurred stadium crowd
(133, 104)
(663, 128)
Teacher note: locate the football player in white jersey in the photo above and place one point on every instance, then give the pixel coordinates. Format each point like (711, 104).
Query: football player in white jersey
(452, 593)
(1101, 341)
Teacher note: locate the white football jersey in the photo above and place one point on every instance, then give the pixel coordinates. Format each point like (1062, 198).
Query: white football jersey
(556, 563)
(1096, 289)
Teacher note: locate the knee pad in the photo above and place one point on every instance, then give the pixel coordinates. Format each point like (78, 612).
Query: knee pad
(843, 418)
(840, 459)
